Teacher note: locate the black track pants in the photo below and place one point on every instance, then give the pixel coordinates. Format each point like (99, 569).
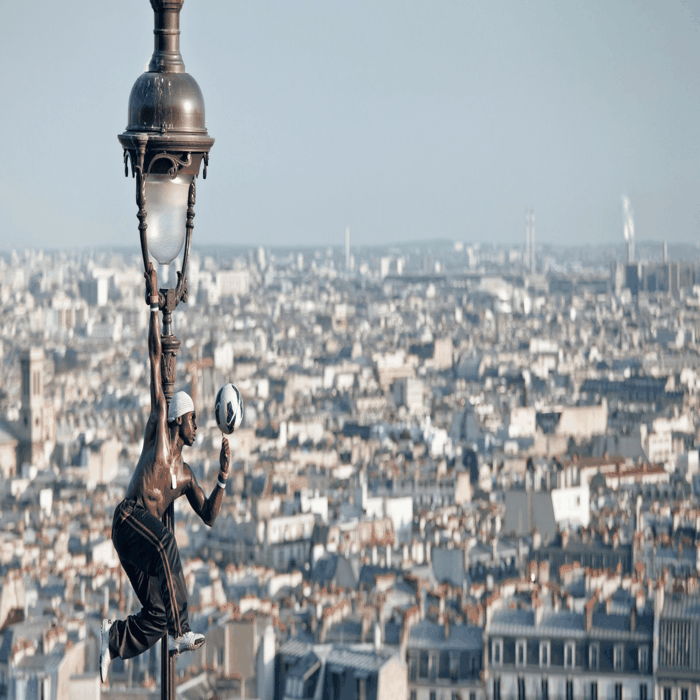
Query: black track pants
(148, 552)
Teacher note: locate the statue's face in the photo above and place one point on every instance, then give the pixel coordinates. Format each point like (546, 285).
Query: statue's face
(188, 428)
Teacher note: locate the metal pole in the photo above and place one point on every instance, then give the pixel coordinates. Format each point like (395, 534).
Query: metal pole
(170, 345)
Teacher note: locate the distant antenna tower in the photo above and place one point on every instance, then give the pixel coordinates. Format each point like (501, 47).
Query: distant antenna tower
(527, 238)
(347, 247)
(628, 227)
(530, 239)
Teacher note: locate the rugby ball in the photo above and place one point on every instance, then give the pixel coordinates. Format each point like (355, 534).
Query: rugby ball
(228, 408)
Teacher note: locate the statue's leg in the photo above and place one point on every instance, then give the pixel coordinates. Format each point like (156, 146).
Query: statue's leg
(139, 632)
(143, 540)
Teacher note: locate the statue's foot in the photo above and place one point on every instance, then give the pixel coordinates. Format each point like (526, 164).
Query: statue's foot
(186, 642)
(105, 656)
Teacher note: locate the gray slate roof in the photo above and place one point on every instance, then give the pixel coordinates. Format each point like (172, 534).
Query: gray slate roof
(681, 607)
(567, 625)
(429, 635)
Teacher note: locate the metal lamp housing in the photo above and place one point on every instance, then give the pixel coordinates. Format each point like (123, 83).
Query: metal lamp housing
(166, 141)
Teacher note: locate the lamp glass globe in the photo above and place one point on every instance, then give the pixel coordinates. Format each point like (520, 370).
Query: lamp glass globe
(166, 206)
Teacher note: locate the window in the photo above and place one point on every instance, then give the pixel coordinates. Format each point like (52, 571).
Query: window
(569, 690)
(544, 654)
(643, 692)
(454, 668)
(413, 695)
(412, 667)
(593, 654)
(497, 651)
(569, 655)
(618, 653)
(594, 690)
(684, 694)
(667, 694)
(423, 664)
(472, 696)
(643, 659)
(521, 688)
(545, 689)
(433, 667)
(618, 691)
(444, 670)
(456, 696)
(432, 695)
(520, 653)
(496, 689)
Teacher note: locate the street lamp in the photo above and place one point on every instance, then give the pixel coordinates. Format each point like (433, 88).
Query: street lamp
(165, 143)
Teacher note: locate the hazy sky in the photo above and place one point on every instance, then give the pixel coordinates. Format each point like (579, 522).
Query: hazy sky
(404, 120)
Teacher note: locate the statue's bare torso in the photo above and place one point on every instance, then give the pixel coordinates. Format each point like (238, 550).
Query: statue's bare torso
(152, 481)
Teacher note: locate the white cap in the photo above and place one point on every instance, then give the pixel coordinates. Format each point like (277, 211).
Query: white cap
(180, 404)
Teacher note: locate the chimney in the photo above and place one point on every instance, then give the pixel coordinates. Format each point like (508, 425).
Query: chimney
(377, 637)
(536, 539)
(633, 619)
(532, 569)
(544, 572)
(564, 539)
(590, 607)
(659, 601)
(447, 629)
(537, 607)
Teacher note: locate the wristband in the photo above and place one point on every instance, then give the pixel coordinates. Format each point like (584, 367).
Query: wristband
(221, 483)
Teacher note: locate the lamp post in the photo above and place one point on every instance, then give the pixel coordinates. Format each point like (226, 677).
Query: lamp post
(166, 143)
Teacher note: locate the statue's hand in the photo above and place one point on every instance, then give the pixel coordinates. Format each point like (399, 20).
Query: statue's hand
(224, 458)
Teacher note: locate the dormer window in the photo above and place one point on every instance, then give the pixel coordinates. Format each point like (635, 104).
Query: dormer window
(497, 652)
(593, 654)
(618, 653)
(643, 659)
(569, 654)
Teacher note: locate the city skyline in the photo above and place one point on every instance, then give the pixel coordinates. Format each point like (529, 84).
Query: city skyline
(403, 122)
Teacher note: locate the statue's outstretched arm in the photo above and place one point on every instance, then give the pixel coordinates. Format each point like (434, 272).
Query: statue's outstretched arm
(157, 428)
(208, 508)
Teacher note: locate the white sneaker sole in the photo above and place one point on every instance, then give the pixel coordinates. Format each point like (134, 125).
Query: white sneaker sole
(104, 668)
(174, 651)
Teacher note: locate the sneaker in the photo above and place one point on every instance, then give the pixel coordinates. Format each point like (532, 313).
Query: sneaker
(186, 642)
(105, 656)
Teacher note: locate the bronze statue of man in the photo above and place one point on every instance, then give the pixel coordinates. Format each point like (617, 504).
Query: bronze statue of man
(147, 549)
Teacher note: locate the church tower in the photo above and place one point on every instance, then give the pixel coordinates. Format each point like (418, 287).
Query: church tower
(36, 425)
